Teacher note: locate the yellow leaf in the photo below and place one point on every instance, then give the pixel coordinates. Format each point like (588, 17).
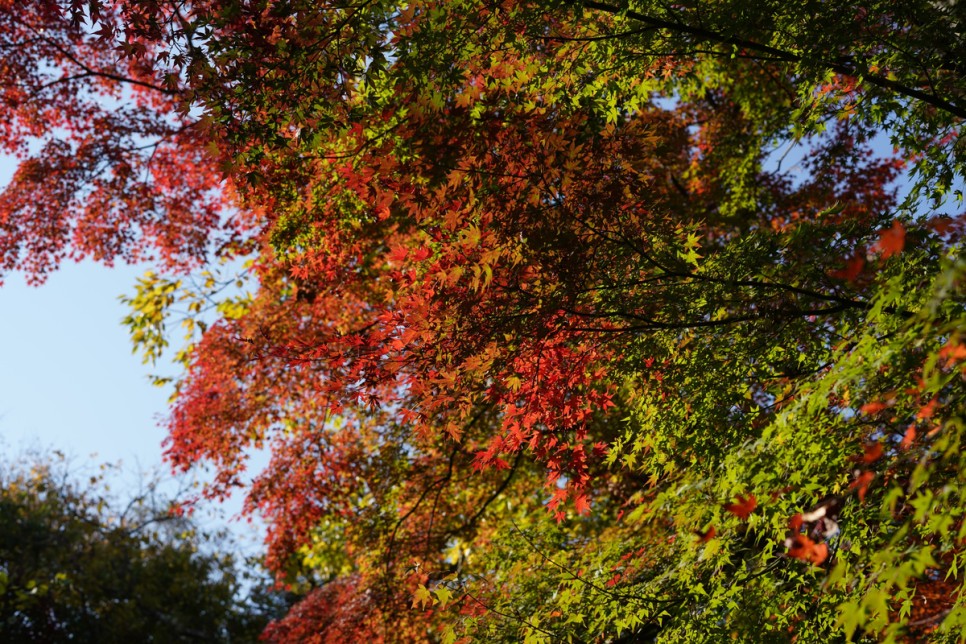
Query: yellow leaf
(445, 595)
(423, 598)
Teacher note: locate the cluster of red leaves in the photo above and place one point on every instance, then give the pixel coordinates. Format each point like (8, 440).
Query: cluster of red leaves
(932, 600)
(110, 168)
(335, 613)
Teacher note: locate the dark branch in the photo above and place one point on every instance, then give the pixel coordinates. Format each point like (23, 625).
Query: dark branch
(783, 55)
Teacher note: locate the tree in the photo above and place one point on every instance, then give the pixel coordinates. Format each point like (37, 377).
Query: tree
(112, 165)
(76, 566)
(550, 343)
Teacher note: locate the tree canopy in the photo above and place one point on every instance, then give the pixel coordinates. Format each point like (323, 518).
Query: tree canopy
(564, 321)
(75, 565)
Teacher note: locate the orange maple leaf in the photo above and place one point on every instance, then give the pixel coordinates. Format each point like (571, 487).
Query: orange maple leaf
(908, 437)
(927, 410)
(743, 506)
(862, 484)
(872, 407)
(873, 452)
(953, 352)
(891, 240)
(707, 535)
(801, 547)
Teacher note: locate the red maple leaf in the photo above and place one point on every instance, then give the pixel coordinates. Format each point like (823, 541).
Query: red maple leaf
(861, 484)
(891, 240)
(743, 506)
(801, 547)
(853, 266)
(707, 535)
(873, 452)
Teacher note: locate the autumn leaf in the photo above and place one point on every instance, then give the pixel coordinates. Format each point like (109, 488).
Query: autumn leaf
(953, 353)
(707, 535)
(908, 438)
(945, 225)
(853, 266)
(743, 506)
(443, 595)
(803, 548)
(872, 407)
(892, 240)
(422, 597)
(861, 484)
(873, 452)
(927, 410)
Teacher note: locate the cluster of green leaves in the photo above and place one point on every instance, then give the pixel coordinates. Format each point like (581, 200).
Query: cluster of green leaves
(683, 565)
(76, 566)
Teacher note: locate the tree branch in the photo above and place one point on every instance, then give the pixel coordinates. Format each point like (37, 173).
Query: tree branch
(783, 55)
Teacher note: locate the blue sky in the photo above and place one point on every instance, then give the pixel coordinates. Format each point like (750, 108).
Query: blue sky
(69, 381)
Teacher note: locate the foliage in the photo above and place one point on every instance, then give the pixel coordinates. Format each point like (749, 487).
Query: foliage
(576, 321)
(74, 565)
(112, 166)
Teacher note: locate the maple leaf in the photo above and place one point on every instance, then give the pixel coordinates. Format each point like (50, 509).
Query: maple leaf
(423, 598)
(944, 225)
(891, 240)
(743, 506)
(801, 547)
(559, 496)
(953, 353)
(861, 484)
(908, 438)
(873, 452)
(872, 407)
(500, 464)
(707, 535)
(443, 595)
(927, 410)
(853, 266)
